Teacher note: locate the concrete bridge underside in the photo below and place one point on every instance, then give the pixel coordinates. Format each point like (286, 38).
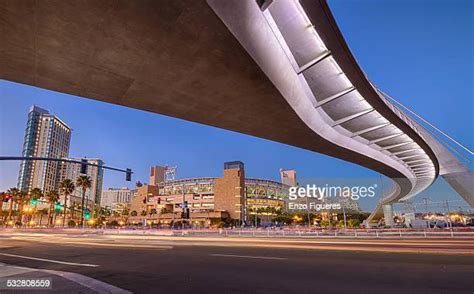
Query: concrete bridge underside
(220, 63)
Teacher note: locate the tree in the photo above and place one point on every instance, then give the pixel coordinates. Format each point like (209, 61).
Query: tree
(353, 223)
(125, 212)
(134, 213)
(66, 187)
(143, 213)
(21, 198)
(340, 224)
(53, 197)
(36, 194)
(85, 183)
(324, 223)
(114, 223)
(42, 212)
(3, 196)
(153, 212)
(105, 211)
(13, 192)
(138, 184)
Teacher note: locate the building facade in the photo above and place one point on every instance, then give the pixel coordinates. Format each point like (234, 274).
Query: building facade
(45, 136)
(288, 177)
(231, 197)
(157, 175)
(113, 198)
(160, 174)
(72, 170)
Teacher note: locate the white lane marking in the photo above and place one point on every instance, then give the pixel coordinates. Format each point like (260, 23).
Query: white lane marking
(248, 256)
(90, 283)
(6, 271)
(93, 284)
(50, 260)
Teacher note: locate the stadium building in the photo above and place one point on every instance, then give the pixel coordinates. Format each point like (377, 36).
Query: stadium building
(204, 201)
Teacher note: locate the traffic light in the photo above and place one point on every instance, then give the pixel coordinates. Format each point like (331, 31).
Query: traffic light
(128, 175)
(7, 198)
(185, 213)
(57, 206)
(159, 200)
(34, 201)
(87, 214)
(84, 166)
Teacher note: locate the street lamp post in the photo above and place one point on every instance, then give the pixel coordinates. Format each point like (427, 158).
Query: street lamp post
(256, 217)
(345, 219)
(307, 212)
(182, 208)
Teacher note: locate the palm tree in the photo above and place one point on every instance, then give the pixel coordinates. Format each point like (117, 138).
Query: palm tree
(42, 212)
(36, 194)
(163, 210)
(53, 197)
(152, 212)
(85, 183)
(66, 187)
(125, 214)
(3, 196)
(21, 198)
(13, 192)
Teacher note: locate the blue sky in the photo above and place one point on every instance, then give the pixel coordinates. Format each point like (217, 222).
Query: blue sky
(420, 52)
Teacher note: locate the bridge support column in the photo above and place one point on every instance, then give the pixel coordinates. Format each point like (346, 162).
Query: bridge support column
(388, 214)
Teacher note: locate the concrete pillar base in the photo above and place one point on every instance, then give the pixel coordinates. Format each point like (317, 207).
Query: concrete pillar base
(388, 214)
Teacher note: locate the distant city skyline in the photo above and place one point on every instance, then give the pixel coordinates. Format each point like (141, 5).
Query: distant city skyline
(413, 72)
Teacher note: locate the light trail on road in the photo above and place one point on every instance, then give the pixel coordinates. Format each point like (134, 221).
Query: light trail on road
(426, 246)
(139, 263)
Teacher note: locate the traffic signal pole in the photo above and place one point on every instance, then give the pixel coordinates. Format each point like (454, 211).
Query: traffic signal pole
(82, 208)
(84, 164)
(128, 172)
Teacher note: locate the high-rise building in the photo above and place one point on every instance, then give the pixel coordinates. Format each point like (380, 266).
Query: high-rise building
(45, 136)
(71, 170)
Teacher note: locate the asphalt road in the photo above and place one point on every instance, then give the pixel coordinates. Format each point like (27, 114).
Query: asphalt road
(144, 265)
